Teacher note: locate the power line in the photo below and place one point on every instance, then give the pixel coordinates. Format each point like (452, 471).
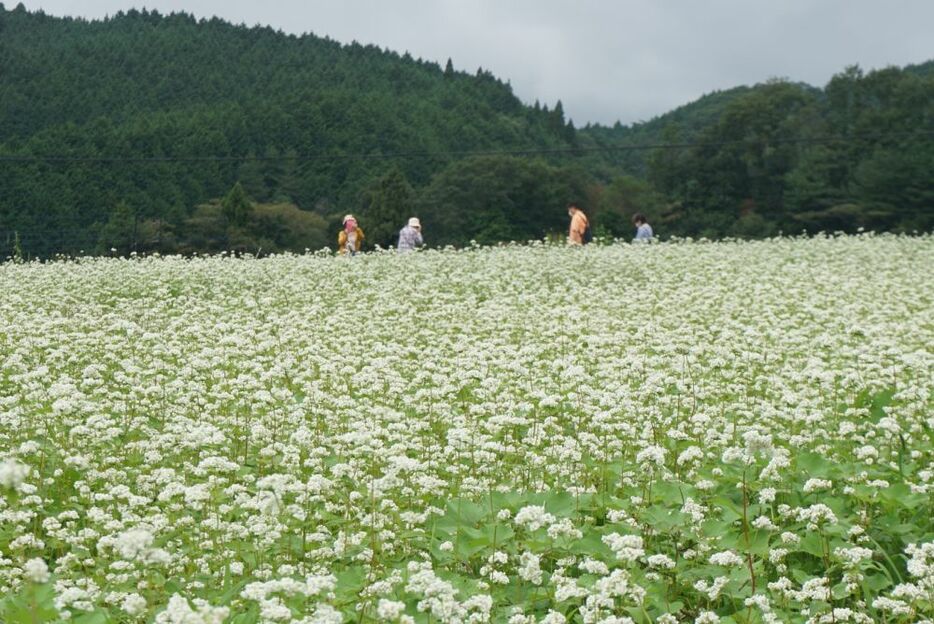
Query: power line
(818, 140)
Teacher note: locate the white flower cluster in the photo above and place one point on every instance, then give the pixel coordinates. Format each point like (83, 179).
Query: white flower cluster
(179, 611)
(186, 439)
(904, 596)
(12, 473)
(533, 517)
(627, 548)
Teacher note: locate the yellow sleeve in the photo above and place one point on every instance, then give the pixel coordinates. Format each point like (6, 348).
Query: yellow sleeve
(342, 239)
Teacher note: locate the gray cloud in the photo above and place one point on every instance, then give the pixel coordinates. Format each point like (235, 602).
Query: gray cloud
(606, 60)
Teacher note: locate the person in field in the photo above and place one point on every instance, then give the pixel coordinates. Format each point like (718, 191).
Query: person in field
(410, 237)
(579, 231)
(350, 239)
(644, 231)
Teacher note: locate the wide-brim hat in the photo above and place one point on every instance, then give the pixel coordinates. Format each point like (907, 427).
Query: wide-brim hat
(348, 218)
(415, 223)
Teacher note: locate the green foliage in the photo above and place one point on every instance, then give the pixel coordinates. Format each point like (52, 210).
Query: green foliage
(236, 206)
(268, 228)
(33, 604)
(623, 197)
(499, 198)
(120, 231)
(387, 205)
(17, 254)
(748, 178)
(154, 85)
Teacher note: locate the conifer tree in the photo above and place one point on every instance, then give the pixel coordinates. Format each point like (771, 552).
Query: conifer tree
(236, 206)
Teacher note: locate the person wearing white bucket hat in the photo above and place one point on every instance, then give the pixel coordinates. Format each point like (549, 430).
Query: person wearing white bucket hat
(410, 237)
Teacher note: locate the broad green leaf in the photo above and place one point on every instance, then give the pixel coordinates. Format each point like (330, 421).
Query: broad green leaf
(759, 543)
(813, 465)
(95, 617)
(813, 544)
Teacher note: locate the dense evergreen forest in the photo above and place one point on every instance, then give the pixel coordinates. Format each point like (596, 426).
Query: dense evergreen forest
(167, 133)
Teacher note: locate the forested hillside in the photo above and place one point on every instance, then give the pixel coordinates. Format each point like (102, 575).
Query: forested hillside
(142, 85)
(158, 118)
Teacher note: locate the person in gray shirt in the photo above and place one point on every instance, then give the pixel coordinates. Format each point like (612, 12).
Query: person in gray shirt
(644, 231)
(410, 236)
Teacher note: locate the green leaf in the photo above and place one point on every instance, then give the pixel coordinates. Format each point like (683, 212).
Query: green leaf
(716, 528)
(900, 495)
(95, 617)
(561, 504)
(839, 591)
(660, 519)
(759, 543)
(592, 544)
(875, 583)
(880, 401)
(669, 492)
(813, 544)
(507, 500)
(467, 547)
(466, 512)
(729, 509)
(250, 616)
(351, 579)
(814, 465)
(32, 605)
(499, 534)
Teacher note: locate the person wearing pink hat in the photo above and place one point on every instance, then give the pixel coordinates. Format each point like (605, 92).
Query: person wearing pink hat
(350, 239)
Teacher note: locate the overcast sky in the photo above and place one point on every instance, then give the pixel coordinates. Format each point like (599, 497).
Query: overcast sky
(607, 60)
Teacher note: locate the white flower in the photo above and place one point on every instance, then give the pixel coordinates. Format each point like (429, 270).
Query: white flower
(593, 566)
(564, 528)
(266, 422)
(764, 523)
(529, 568)
(179, 611)
(690, 454)
(652, 455)
(131, 544)
(553, 617)
(766, 496)
(813, 485)
(627, 548)
(726, 558)
(533, 517)
(389, 609)
(816, 515)
(133, 604)
(852, 556)
(12, 473)
(660, 561)
(36, 571)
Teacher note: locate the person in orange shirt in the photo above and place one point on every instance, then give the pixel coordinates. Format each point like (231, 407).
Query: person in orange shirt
(579, 232)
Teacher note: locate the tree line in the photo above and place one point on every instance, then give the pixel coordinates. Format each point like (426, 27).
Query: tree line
(301, 129)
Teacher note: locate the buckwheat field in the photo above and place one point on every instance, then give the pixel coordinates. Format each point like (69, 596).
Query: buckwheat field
(691, 432)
